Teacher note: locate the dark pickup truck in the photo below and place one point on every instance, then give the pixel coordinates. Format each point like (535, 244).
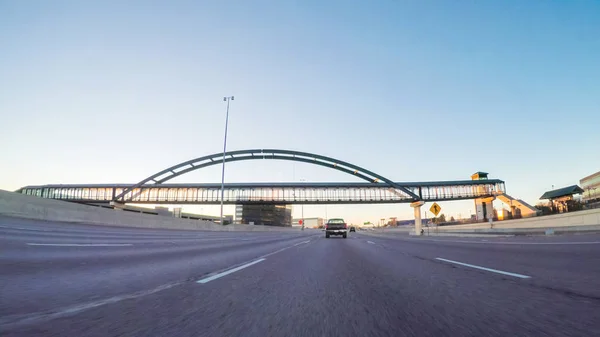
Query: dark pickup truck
(336, 227)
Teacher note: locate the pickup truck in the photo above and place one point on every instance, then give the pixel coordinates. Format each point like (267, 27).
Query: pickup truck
(336, 227)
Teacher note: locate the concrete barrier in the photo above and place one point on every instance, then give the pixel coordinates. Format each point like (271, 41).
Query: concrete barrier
(25, 206)
(580, 221)
(580, 218)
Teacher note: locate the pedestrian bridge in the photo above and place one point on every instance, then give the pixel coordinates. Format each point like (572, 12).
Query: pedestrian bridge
(375, 189)
(271, 193)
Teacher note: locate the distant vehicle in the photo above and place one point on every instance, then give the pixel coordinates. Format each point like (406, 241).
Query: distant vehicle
(336, 227)
(353, 229)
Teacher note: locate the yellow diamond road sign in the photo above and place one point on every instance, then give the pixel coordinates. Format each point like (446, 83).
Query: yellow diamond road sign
(435, 209)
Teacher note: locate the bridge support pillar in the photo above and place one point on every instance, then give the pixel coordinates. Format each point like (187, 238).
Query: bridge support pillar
(484, 208)
(417, 207)
(117, 205)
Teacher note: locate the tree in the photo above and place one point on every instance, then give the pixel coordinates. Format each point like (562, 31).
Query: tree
(440, 219)
(546, 209)
(574, 205)
(452, 219)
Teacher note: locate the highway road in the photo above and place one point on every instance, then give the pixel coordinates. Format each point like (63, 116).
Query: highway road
(76, 280)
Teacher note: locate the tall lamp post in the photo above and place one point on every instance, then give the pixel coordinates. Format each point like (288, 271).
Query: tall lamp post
(225, 99)
(303, 180)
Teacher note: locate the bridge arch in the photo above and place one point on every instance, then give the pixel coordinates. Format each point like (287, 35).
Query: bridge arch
(255, 154)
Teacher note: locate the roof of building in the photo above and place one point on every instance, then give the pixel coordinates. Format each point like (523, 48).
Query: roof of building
(479, 175)
(561, 192)
(593, 175)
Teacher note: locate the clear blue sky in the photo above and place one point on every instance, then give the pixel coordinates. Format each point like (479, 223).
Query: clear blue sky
(106, 91)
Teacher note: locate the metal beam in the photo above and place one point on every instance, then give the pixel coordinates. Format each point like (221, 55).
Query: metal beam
(171, 172)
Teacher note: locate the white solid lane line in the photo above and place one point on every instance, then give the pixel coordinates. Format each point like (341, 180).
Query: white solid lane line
(20, 320)
(36, 317)
(484, 268)
(81, 244)
(371, 242)
(227, 272)
(517, 243)
(27, 229)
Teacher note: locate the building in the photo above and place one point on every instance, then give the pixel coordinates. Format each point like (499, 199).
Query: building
(561, 199)
(267, 215)
(591, 188)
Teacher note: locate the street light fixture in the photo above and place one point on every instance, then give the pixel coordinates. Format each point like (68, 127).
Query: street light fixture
(225, 99)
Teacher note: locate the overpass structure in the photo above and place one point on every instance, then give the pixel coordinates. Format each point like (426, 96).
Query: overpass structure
(272, 193)
(376, 188)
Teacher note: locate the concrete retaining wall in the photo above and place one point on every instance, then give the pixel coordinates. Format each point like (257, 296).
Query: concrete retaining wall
(30, 207)
(581, 218)
(581, 221)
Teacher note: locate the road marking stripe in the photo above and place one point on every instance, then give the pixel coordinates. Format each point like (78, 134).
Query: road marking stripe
(81, 244)
(260, 259)
(516, 243)
(219, 275)
(484, 268)
(547, 243)
(27, 229)
(27, 319)
(371, 242)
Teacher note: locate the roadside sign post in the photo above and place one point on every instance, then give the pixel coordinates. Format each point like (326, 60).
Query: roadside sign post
(435, 209)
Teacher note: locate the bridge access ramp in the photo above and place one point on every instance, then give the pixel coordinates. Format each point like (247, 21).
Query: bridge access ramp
(525, 209)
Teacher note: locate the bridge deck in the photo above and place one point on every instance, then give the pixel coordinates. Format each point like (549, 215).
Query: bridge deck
(271, 193)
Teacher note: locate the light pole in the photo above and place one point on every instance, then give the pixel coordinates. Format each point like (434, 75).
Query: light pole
(303, 209)
(225, 99)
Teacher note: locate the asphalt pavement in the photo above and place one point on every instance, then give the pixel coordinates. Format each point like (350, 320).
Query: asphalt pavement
(80, 280)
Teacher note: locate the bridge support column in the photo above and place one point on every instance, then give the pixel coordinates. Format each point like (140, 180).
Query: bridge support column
(417, 207)
(484, 208)
(117, 205)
